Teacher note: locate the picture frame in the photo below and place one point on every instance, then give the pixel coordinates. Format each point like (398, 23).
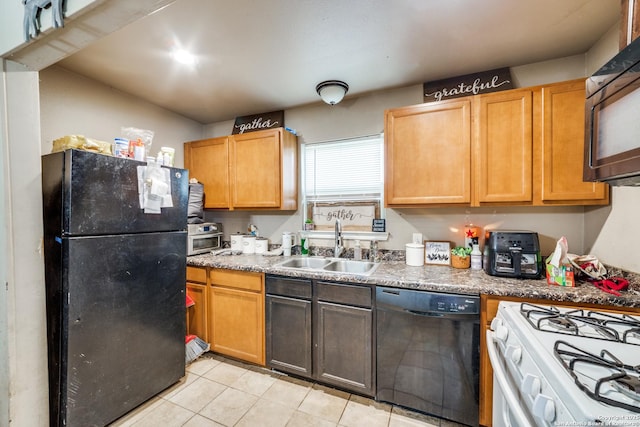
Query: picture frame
(437, 252)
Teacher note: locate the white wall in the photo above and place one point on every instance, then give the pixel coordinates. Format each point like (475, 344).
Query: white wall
(5, 230)
(364, 115)
(22, 355)
(72, 104)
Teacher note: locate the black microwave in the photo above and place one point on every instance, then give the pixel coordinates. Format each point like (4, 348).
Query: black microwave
(612, 133)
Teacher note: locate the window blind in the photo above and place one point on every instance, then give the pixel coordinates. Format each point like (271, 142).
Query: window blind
(349, 169)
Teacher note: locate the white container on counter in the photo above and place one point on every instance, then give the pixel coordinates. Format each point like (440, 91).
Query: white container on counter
(236, 242)
(249, 244)
(414, 254)
(262, 245)
(287, 243)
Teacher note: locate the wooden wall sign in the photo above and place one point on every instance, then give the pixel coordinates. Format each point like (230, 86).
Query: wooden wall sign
(354, 216)
(274, 119)
(470, 84)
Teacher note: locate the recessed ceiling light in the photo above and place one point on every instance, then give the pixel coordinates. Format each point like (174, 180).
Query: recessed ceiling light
(184, 57)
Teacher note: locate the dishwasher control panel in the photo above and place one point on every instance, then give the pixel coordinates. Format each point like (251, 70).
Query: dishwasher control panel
(454, 304)
(427, 302)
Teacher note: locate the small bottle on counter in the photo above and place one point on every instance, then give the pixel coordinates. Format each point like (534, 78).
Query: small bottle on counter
(476, 258)
(357, 251)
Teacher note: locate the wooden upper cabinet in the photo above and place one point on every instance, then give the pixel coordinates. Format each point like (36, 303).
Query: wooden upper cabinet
(255, 170)
(208, 162)
(503, 146)
(559, 157)
(263, 170)
(519, 147)
(427, 151)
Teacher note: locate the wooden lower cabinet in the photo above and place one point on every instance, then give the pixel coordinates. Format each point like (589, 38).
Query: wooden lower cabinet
(322, 331)
(197, 314)
(344, 353)
(288, 331)
(343, 336)
(236, 314)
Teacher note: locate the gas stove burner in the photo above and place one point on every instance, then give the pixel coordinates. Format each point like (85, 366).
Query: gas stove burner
(629, 386)
(562, 323)
(603, 377)
(590, 324)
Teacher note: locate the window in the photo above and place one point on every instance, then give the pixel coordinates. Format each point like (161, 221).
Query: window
(346, 172)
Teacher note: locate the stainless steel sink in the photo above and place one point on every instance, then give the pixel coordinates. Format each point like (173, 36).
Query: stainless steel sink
(306, 262)
(330, 265)
(349, 266)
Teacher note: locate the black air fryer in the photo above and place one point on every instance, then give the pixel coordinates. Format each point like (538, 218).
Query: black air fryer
(512, 254)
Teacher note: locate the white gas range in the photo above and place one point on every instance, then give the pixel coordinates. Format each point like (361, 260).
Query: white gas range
(557, 366)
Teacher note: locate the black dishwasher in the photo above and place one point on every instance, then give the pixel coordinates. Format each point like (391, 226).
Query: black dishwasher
(428, 352)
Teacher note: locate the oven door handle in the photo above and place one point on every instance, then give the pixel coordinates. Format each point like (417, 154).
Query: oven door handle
(510, 394)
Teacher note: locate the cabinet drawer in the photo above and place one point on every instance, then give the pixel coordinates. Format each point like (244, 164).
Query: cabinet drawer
(197, 274)
(246, 280)
(345, 294)
(289, 287)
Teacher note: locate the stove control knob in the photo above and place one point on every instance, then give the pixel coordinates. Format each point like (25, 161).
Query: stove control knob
(495, 323)
(514, 353)
(544, 407)
(502, 333)
(530, 385)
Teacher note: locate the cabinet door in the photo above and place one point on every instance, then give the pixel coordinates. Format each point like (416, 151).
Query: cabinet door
(562, 148)
(197, 313)
(289, 335)
(236, 326)
(503, 147)
(344, 355)
(427, 150)
(208, 162)
(256, 170)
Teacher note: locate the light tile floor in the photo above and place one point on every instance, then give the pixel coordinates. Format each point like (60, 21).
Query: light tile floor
(221, 392)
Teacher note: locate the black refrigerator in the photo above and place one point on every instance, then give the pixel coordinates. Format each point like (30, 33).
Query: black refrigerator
(115, 286)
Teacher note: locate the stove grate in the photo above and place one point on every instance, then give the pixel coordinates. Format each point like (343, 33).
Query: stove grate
(584, 323)
(616, 375)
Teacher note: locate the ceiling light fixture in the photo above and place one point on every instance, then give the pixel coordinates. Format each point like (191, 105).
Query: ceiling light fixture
(332, 91)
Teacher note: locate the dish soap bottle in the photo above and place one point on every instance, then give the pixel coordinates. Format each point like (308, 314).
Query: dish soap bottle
(476, 258)
(357, 251)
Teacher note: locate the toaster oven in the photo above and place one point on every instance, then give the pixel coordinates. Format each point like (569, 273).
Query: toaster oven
(202, 238)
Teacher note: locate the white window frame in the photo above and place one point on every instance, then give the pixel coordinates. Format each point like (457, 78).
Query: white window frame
(351, 195)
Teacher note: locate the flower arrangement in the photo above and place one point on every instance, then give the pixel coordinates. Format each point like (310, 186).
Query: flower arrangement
(461, 257)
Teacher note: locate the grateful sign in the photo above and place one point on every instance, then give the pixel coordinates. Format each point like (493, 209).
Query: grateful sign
(470, 84)
(274, 119)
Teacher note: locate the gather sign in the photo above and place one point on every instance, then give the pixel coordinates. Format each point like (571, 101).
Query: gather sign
(469, 84)
(274, 119)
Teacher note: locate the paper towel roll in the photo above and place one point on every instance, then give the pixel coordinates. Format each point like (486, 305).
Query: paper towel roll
(414, 254)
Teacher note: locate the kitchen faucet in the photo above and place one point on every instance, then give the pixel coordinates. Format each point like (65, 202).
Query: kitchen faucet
(338, 240)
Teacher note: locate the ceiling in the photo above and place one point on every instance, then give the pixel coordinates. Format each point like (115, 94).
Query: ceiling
(259, 56)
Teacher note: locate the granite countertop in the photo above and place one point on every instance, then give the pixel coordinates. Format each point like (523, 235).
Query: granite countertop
(436, 278)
